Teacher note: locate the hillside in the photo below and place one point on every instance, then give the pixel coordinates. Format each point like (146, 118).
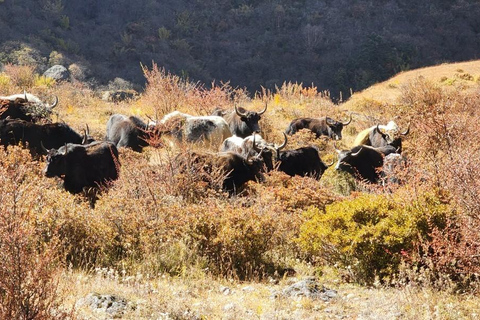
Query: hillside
(457, 76)
(162, 243)
(337, 45)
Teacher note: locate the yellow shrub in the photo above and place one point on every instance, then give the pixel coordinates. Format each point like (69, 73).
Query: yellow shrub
(370, 234)
(42, 81)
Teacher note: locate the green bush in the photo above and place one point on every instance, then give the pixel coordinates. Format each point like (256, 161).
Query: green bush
(371, 234)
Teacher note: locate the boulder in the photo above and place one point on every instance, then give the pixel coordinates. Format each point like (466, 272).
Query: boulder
(308, 288)
(112, 305)
(58, 72)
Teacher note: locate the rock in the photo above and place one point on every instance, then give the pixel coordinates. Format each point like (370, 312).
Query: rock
(58, 72)
(309, 288)
(114, 306)
(225, 290)
(230, 307)
(119, 95)
(248, 289)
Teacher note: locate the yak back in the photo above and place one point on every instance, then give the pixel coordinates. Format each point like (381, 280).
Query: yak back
(51, 135)
(303, 162)
(90, 165)
(130, 132)
(365, 165)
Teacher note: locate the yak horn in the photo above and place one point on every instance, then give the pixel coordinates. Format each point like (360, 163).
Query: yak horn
(356, 153)
(85, 137)
(348, 122)
(406, 131)
(280, 147)
(54, 104)
(264, 109)
(380, 131)
(43, 147)
(238, 112)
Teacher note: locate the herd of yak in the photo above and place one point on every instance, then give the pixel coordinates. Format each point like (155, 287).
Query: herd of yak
(241, 154)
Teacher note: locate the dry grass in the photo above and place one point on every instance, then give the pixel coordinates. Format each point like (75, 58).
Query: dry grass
(199, 296)
(461, 75)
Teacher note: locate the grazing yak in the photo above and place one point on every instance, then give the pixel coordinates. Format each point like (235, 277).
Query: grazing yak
(129, 132)
(363, 162)
(246, 146)
(238, 170)
(84, 167)
(233, 143)
(251, 146)
(388, 149)
(242, 123)
(26, 107)
(304, 161)
(37, 137)
(382, 135)
(210, 131)
(319, 126)
(233, 169)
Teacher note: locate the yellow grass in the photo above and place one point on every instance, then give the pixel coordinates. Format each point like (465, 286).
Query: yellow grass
(203, 297)
(449, 74)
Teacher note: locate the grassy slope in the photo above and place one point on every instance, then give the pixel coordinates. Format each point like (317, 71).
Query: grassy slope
(447, 74)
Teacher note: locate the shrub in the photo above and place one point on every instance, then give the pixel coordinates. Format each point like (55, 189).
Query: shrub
(370, 234)
(21, 76)
(239, 240)
(43, 81)
(28, 266)
(166, 92)
(5, 82)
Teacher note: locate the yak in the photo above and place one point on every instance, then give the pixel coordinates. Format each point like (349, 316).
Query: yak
(304, 161)
(38, 137)
(363, 162)
(319, 126)
(242, 122)
(209, 131)
(129, 132)
(84, 167)
(26, 107)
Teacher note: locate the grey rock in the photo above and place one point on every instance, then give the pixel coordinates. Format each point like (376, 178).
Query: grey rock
(58, 72)
(119, 95)
(308, 288)
(114, 306)
(225, 290)
(230, 307)
(248, 289)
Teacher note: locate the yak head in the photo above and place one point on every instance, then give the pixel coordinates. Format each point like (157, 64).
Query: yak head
(56, 162)
(336, 127)
(250, 119)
